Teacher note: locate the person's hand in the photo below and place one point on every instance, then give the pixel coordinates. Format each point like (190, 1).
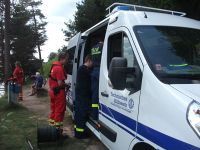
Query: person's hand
(56, 90)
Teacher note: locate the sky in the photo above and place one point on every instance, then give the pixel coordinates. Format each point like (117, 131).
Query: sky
(57, 12)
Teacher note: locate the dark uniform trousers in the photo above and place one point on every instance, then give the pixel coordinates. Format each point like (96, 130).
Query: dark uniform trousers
(96, 58)
(82, 100)
(81, 114)
(95, 93)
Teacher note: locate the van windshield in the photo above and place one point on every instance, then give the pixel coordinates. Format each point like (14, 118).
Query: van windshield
(171, 52)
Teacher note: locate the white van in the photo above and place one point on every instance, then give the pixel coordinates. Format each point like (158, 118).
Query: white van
(149, 91)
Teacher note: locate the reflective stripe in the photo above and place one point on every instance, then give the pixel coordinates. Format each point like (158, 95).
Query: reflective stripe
(51, 120)
(96, 51)
(79, 129)
(181, 65)
(74, 126)
(58, 123)
(51, 124)
(95, 105)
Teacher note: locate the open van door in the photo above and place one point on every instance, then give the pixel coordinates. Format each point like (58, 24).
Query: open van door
(73, 50)
(119, 90)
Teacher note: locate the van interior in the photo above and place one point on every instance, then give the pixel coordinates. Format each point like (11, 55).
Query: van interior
(92, 40)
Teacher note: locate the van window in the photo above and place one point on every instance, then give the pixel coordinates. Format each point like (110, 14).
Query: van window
(119, 46)
(114, 47)
(173, 53)
(128, 52)
(71, 52)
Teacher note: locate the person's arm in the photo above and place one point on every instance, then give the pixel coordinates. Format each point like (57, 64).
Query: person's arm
(15, 72)
(60, 83)
(60, 78)
(36, 82)
(23, 75)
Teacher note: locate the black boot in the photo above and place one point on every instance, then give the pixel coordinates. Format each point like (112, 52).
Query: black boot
(80, 135)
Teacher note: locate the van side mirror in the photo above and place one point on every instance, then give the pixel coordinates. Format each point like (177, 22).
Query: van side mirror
(117, 73)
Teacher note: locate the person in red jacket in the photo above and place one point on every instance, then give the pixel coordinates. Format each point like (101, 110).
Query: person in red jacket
(57, 95)
(18, 75)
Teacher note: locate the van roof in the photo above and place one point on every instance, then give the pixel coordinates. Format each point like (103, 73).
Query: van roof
(151, 18)
(142, 15)
(97, 26)
(129, 7)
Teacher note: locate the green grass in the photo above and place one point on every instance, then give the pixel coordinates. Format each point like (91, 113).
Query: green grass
(16, 124)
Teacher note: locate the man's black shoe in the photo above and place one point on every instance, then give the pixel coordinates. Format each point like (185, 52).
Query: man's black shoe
(81, 135)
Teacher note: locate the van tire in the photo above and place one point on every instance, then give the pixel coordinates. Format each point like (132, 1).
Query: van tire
(143, 146)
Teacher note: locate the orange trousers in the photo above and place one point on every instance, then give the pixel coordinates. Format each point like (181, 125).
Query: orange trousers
(58, 107)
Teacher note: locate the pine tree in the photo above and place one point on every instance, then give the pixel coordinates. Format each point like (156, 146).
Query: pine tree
(27, 34)
(24, 26)
(90, 12)
(39, 27)
(22, 35)
(39, 23)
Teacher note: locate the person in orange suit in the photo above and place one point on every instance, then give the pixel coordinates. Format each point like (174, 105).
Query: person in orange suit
(57, 91)
(18, 76)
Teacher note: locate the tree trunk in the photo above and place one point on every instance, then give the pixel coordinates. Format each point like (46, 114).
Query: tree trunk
(1, 40)
(7, 68)
(38, 45)
(1, 50)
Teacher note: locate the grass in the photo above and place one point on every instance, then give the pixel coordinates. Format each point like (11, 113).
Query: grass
(16, 124)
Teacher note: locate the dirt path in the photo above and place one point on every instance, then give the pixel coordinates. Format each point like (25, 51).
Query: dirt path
(39, 105)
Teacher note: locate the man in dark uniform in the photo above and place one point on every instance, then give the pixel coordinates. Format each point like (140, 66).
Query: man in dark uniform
(96, 59)
(83, 97)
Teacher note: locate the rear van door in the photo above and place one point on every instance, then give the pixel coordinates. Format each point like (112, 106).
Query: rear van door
(72, 48)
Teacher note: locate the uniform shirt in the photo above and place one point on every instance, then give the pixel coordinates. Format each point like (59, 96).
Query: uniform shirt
(18, 74)
(39, 81)
(57, 72)
(83, 82)
(96, 54)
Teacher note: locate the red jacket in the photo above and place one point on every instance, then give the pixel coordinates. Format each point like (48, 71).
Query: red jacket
(57, 73)
(18, 74)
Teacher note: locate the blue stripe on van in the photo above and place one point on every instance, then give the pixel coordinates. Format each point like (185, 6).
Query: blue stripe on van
(154, 136)
(122, 127)
(129, 123)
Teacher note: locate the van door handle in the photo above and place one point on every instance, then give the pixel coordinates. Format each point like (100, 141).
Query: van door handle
(105, 94)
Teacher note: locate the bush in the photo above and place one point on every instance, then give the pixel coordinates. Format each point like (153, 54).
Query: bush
(47, 66)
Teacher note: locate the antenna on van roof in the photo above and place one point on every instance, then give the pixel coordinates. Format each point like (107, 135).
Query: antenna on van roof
(128, 7)
(145, 15)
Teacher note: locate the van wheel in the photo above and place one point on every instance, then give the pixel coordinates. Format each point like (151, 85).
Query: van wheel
(143, 146)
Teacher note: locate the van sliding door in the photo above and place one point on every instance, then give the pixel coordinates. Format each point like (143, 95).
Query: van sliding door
(72, 45)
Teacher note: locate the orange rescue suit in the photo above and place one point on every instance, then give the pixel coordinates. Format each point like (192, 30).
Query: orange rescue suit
(58, 101)
(18, 75)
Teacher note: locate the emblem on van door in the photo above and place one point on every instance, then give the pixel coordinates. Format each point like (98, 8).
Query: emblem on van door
(131, 103)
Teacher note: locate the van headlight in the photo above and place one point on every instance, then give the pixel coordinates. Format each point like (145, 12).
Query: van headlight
(193, 116)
